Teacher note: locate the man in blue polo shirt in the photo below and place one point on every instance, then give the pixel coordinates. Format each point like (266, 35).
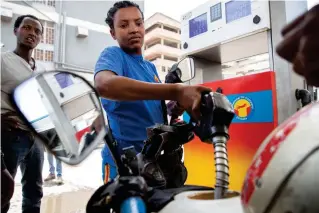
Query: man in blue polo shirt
(129, 85)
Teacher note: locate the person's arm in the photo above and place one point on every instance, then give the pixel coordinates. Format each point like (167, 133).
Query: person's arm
(111, 84)
(119, 88)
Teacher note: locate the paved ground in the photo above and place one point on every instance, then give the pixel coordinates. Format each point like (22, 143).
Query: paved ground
(79, 184)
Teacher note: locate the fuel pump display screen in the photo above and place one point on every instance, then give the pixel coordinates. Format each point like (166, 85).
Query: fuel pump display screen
(237, 9)
(64, 80)
(198, 25)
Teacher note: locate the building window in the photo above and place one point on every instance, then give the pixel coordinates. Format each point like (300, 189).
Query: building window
(170, 29)
(48, 56)
(49, 33)
(50, 3)
(170, 58)
(42, 39)
(38, 55)
(163, 69)
(40, 1)
(154, 57)
(171, 44)
(43, 55)
(153, 27)
(151, 44)
(43, 33)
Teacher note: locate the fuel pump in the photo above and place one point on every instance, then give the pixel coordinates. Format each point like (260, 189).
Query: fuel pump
(233, 38)
(228, 39)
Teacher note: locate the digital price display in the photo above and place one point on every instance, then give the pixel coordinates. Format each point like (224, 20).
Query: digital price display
(198, 25)
(237, 9)
(215, 12)
(64, 80)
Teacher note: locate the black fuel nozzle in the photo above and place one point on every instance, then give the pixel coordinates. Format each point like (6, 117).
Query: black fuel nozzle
(217, 114)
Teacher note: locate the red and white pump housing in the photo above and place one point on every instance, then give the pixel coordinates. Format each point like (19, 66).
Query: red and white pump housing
(284, 175)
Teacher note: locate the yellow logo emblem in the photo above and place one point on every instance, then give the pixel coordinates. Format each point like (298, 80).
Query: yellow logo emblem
(156, 79)
(243, 107)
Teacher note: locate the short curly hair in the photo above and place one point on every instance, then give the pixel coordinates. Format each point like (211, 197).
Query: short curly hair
(19, 20)
(119, 5)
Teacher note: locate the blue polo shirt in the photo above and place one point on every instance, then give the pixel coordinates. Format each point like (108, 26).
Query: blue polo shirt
(129, 119)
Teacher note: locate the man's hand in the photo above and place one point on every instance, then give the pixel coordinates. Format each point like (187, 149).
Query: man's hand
(300, 45)
(189, 98)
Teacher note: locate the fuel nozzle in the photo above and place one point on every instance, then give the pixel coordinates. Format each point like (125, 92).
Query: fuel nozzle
(217, 114)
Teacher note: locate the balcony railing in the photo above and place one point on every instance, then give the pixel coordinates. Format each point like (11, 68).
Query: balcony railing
(162, 49)
(163, 62)
(161, 33)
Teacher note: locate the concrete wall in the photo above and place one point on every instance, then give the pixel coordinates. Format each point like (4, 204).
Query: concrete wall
(7, 36)
(84, 52)
(286, 80)
(78, 52)
(92, 11)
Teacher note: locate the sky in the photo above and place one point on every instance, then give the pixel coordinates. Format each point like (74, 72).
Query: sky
(172, 8)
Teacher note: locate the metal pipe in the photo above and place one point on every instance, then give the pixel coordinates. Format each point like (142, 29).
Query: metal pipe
(65, 68)
(62, 43)
(60, 32)
(63, 36)
(221, 165)
(62, 62)
(71, 69)
(75, 67)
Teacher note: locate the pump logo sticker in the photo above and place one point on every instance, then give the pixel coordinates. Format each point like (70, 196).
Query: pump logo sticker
(243, 107)
(156, 79)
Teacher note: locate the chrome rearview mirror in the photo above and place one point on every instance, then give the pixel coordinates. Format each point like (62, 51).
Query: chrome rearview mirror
(186, 69)
(182, 71)
(64, 111)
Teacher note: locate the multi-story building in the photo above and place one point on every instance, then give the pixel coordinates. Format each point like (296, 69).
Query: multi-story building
(74, 32)
(162, 43)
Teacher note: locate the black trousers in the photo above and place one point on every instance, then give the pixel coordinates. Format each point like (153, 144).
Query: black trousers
(20, 149)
